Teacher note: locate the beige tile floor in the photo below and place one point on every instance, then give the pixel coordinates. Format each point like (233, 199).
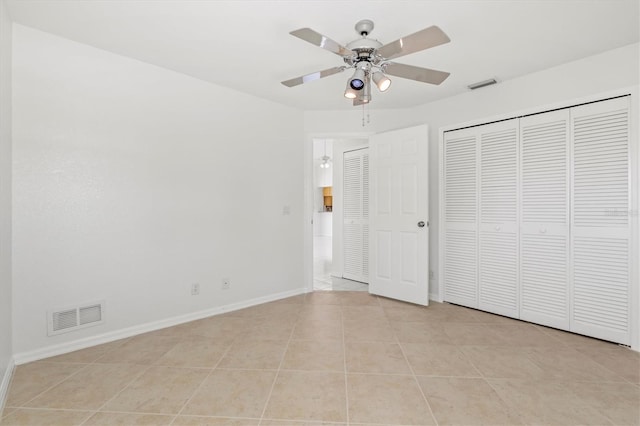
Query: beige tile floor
(336, 358)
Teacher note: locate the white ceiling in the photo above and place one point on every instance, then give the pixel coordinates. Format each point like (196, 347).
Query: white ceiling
(246, 45)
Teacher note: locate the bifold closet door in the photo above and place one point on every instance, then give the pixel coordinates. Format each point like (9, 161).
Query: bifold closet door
(481, 217)
(498, 219)
(356, 215)
(544, 240)
(460, 210)
(601, 223)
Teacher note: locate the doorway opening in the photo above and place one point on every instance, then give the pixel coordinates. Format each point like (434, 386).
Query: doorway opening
(328, 240)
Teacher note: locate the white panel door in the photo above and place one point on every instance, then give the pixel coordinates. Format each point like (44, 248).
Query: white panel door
(544, 240)
(356, 215)
(601, 224)
(460, 217)
(498, 289)
(399, 249)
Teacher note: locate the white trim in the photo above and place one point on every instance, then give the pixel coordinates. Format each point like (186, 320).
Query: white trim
(4, 384)
(63, 348)
(634, 124)
(440, 283)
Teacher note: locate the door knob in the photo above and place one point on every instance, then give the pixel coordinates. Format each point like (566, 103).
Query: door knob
(421, 224)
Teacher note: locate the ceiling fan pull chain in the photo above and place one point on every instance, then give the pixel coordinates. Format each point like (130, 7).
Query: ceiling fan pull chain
(362, 115)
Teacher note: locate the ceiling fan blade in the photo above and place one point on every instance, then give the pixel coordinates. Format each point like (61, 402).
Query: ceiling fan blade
(424, 39)
(314, 37)
(424, 75)
(313, 76)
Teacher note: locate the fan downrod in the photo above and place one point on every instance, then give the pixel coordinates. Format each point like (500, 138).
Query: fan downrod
(364, 27)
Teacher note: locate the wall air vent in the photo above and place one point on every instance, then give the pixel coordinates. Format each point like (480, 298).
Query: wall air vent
(480, 84)
(74, 318)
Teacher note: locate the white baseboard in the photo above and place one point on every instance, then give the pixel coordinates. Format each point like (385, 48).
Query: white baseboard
(4, 384)
(63, 348)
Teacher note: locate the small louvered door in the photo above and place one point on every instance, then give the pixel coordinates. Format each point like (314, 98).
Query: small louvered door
(544, 239)
(460, 195)
(399, 215)
(498, 225)
(356, 215)
(601, 222)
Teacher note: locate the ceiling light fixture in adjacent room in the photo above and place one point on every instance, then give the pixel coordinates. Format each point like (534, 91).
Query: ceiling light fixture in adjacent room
(326, 160)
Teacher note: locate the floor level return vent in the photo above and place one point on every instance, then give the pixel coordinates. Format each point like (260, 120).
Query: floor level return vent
(74, 318)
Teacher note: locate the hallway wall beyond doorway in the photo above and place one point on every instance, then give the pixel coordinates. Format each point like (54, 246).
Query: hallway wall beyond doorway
(322, 279)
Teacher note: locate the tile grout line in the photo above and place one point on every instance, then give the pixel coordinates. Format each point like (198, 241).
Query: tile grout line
(136, 377)
(175, 416)
(121, 390)
(275, 379)
(413, 373)
(6, 396)
(485, 379)
(344, 361)
(84, 366)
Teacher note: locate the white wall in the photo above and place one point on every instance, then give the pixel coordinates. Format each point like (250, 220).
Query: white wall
(132, 182)
(610, 70)
(5, 194)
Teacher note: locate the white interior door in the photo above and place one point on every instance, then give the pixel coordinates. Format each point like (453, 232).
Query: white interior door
(399, 238)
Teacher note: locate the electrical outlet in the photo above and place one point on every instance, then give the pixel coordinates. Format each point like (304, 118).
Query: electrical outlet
(195, 289)
(226, 283)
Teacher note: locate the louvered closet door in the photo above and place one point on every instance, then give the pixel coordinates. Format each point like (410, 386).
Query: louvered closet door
(460, 193)
(498, 236)
(544, 239)
(356, 215)
(601, 225)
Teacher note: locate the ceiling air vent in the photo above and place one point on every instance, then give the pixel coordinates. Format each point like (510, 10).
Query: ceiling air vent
(480, 84)
(74, 318)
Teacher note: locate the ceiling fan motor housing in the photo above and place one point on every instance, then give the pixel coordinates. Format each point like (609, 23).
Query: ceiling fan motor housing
(364, 50)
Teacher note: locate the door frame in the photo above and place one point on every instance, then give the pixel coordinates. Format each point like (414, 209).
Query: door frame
(307, 216)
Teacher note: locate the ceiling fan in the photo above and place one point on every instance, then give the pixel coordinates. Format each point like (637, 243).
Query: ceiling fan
(371, 60)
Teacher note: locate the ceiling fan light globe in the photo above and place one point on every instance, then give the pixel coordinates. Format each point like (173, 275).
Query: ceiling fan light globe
(349, 92)
(382, 81)
(356, 84)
